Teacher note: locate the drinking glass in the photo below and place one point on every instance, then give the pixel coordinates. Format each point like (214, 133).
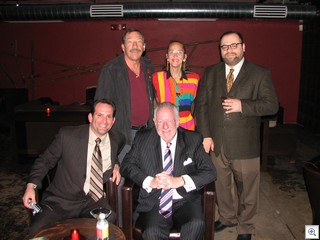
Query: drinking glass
(226, 117)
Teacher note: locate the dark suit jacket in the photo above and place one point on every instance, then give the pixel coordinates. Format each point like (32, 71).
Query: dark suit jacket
(144, 159)
(114, 84)
(239, 136)
(69, 152)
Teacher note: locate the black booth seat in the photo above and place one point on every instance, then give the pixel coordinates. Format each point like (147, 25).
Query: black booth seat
(311, 174)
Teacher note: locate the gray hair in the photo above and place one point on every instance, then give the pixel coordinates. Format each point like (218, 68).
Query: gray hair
(167, 105)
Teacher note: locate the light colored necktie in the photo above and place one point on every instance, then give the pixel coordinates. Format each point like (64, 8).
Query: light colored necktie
(165, 208)
(230, 79)
(96, 176)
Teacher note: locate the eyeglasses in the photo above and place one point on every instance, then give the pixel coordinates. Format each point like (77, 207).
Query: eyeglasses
(178, 53)
(232, 46)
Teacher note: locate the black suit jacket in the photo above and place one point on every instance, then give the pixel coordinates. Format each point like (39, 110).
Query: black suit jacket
(144, 159)
(69, 152)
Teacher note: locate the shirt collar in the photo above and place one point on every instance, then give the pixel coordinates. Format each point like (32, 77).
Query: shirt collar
(173, 142)
(236, 68)
(93, 137)
(183, 75)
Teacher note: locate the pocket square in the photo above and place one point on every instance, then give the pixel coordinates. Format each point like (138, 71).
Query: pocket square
(186, 162)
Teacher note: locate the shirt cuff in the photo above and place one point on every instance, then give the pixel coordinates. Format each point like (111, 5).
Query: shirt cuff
(188, 183)
(33, 185)
(146, 184)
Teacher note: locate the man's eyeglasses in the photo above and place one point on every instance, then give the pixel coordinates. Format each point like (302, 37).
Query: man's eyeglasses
(178, 53)
(227, 46)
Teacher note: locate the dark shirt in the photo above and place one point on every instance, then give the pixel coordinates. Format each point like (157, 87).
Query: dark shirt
(139, 99)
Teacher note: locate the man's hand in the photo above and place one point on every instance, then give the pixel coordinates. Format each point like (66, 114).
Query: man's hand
(208, 144)
(29, 194)
(232, 105)
(116, 176)
(165, 181)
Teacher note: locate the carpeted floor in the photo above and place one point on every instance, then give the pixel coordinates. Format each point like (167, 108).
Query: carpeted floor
(14, 216)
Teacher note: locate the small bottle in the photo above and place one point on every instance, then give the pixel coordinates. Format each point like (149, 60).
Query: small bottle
(102, 227)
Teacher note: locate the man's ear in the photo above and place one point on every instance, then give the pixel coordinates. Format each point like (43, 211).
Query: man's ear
(90, 117)
(122, 47)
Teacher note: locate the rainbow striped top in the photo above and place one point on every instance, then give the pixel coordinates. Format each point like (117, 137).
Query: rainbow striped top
(179, 92)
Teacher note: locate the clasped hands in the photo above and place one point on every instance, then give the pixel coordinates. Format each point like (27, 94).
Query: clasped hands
(165, 181)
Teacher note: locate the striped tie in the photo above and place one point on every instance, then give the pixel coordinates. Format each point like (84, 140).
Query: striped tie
(165, 208)
(96, 178)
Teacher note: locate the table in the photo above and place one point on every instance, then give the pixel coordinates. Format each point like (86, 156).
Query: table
(37, 124)
(86, 226)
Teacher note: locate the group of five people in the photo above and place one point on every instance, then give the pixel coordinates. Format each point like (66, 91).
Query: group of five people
(145, 120)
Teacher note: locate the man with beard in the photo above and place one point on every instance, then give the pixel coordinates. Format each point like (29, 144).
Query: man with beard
(228, 113)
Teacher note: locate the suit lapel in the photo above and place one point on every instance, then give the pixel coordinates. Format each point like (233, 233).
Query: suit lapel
(155, 152)
(113, 146)
(222, 78)
(241, 76)
(179, 154)
(83, 152)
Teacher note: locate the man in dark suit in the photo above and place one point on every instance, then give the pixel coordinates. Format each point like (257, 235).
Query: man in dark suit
(69, 195)
(228, 116)
(190, 171)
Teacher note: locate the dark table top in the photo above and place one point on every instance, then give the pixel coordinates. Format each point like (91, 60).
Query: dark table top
(86, 226)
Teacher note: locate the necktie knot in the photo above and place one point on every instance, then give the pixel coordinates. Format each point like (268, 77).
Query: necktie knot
(98, 141)
(168, 145)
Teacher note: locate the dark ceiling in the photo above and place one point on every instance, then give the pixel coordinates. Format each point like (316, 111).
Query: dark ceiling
(164, 1)
(32, 10)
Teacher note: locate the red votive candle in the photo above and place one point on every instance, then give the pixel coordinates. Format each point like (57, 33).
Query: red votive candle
(74, 234)
(48, 111)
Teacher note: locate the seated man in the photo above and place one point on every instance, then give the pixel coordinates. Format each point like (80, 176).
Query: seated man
(170, 166)
(77, 150)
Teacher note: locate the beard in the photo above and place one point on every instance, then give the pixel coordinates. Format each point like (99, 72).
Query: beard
(232, 61)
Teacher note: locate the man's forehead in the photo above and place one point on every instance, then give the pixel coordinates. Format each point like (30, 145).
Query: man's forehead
(133, 35)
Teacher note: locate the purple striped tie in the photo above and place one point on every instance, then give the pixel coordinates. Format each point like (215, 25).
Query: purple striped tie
(165, 208)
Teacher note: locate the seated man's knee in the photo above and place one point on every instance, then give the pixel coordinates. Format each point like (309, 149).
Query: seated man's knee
(193, 229)
(154, 233)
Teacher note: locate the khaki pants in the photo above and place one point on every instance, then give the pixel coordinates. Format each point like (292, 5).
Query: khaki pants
(237, 189)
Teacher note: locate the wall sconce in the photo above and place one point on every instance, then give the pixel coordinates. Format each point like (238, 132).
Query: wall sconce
(118, 27)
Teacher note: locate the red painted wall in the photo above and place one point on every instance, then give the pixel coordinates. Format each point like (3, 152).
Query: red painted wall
(69, 55)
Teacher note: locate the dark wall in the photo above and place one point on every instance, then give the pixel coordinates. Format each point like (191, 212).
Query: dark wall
(60, 60)
(309, 100)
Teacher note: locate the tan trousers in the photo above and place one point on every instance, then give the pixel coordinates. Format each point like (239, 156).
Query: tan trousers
(237, 189)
